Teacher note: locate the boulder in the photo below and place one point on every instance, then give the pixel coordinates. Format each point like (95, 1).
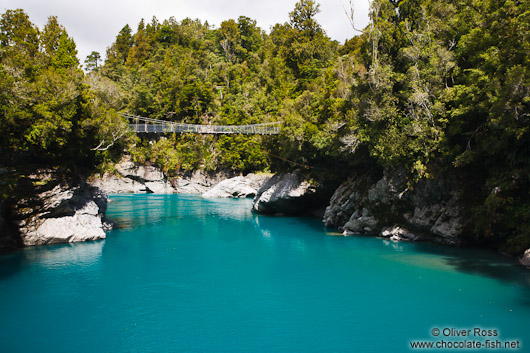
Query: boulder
(159, 187)
(361, 223)
(237, 187)
(129, 169)
(342, 205)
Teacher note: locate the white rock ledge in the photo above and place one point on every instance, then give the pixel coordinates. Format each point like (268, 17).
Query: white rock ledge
(238, 187)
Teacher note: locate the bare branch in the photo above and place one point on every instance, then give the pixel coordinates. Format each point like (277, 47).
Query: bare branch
(349, 14)
(115, 137)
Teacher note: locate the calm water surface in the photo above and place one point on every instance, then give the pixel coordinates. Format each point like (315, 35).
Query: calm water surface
(185, 274)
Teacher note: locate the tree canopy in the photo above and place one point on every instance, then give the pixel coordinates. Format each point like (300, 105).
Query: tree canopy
(430, 87)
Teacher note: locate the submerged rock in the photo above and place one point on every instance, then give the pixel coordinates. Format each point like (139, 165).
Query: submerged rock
(238, 187)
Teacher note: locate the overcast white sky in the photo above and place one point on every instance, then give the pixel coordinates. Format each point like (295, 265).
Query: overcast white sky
(94, 24)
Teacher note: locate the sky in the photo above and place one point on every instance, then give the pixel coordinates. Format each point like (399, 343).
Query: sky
(94, 24)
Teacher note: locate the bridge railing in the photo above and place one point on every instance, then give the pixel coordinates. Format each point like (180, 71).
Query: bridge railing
(140, 124)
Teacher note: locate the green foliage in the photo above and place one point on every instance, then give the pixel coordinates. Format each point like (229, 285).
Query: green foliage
(47, 112)
(92, 61)
(430, 86)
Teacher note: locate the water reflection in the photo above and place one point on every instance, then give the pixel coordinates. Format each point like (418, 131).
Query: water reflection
(131, 211)
(52, 257)
(59, 256)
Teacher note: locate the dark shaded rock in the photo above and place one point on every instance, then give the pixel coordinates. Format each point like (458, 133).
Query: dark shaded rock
(389, 207)
(9, 239)
(290, 194)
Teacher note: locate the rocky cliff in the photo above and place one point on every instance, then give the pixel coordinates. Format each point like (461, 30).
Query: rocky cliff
(371, 203)
(387, 206)
(52, 208)
(67, 213)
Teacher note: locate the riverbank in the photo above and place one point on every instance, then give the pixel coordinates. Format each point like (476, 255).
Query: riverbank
(373, 203)
(51, 206)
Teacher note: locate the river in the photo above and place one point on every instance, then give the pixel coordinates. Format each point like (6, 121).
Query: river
(186, 274)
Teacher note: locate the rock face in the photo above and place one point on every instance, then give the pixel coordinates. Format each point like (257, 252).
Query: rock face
(385, 206)
(66, 213)
(237, 187)
(287, 193)
(525, 259)
(132, 178)
(199, 182)
(138, 179)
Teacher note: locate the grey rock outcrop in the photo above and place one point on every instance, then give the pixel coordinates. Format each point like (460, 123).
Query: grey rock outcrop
(287, 193)
(198, 182)
(132, 178)
(63, 214)
(386, 206)
(237, 187)
(117, 184)
(525, 259)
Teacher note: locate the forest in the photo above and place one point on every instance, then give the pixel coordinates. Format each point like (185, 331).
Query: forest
(430, 88)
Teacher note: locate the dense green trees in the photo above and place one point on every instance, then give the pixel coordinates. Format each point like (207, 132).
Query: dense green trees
(447, 92)
(430, 87)
(46, 109)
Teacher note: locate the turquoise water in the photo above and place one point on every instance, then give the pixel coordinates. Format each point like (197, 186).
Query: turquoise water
(185, 274)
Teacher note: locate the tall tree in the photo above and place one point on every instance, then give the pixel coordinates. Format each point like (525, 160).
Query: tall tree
(92, 60)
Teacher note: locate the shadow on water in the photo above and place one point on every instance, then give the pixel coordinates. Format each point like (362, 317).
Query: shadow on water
(10, 264)
(52, 257)
(480, 262)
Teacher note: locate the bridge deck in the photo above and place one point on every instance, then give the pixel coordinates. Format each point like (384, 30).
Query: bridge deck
(140, 124)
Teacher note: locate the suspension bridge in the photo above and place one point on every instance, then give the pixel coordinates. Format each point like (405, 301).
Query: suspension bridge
(141, 124)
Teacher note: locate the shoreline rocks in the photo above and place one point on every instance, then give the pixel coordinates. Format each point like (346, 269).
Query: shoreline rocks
(199, 182)
(384, 205)
(63, 214)
(132, 178)
(238, 187)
